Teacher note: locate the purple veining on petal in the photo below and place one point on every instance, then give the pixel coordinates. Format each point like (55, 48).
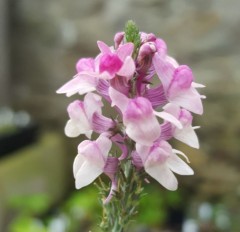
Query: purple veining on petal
(166, 131)
(101, 123)
(136, 160)
(111, 166)
(156, 96)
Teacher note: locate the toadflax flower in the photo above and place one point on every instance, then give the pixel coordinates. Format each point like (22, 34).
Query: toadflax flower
(151, 100)
(91, 160)
(160, 161)
(85, 116)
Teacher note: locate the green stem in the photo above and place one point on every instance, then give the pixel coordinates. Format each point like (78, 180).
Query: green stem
(121, 209)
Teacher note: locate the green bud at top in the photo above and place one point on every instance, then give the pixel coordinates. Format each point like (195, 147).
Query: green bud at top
(132, 34)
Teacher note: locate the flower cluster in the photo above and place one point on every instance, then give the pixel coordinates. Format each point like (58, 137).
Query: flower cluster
(146, 115)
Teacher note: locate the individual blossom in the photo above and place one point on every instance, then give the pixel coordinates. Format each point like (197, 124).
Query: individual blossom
(139, 117)
(177, 81)
(85, 116)
(160, 161)
(186, 134)
(91, 160)
(108, 64)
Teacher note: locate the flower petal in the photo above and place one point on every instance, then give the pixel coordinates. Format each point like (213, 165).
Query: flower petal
(74, 128)
(125, 50)
(163, 69)
(87, 174)
(163, 175)
(92, 103)
(178, 166)
(104, 145)
(187, 135)
(168, 117)
(189, 99)
(127, 69)
(145, 131)
(78, 162)
(104, 48)
(118, 99)
(81, 83)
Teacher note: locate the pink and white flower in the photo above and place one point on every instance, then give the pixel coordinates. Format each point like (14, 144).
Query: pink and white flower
(178, 83)
(160, 161)
(187, 134)
(139, 117)
(91, 160)
(84, 116)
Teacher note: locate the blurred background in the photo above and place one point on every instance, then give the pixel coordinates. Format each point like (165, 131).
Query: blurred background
(40, 42)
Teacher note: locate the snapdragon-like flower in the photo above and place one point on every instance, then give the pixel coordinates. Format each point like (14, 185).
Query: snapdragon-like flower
(85, 117)
(146, 115)
(91, 160)
(160, 161)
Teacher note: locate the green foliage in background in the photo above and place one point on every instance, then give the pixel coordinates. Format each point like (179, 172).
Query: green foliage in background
(81, 211)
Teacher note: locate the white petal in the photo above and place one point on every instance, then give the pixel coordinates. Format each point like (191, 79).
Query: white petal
(74, 128)
(168, 117)
(163, 175)
(104, 145)
(92, 103)
(189, 99)
(128, 68)
(178, 166)
(142, 151)
(197, 85)
(81, 83)
(87, 174)
(78, 162)
(187, 135)
(144, 131)
(180, 153)
(118, 99)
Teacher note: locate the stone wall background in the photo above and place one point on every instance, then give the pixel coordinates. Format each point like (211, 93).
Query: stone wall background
(47, 37)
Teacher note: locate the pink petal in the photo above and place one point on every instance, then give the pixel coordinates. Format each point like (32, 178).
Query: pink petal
(127, 69)
(101, 123)
(104, 48)
(104, 144)
(125, 50)
(182, 80)
(178, 166)
(144, 131)
(118, 99)
(85, 64)
(92, 103)
(141, 124)
(110, 63)
(163, 69)
(156, 96)
(168, 117)
(81, 83)
(92, 152)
